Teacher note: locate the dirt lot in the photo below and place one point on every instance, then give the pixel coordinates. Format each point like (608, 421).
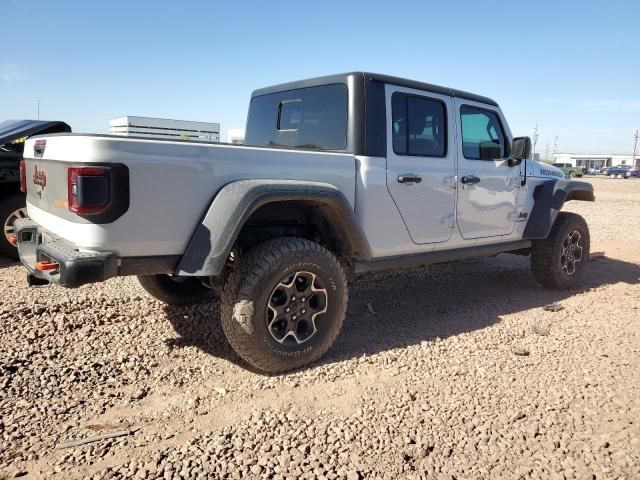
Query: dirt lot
(425, 380)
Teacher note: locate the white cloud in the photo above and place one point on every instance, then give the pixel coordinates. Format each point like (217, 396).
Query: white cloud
(615, 105)
(10, 72)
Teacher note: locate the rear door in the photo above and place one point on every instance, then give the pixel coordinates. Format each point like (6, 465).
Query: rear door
(488, 185)
(421, 162)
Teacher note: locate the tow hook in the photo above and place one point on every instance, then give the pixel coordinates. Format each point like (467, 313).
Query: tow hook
(34, 281)
(243, 314)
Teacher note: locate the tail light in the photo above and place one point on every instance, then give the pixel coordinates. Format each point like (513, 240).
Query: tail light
(38, 148)
(88, 189)
(23, 177)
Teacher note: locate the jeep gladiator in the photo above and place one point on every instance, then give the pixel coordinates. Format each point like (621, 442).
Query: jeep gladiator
(342, 174)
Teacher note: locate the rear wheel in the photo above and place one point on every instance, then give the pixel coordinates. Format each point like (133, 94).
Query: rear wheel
(11, 209)
(560, 260)
(175, 290)
(284, 305)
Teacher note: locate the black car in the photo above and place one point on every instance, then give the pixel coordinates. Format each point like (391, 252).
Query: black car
(12, 200)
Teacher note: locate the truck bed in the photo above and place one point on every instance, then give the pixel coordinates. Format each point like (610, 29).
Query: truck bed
(170, 185)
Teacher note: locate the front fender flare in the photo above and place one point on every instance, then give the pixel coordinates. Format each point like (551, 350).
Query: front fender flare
(549, 197)
(212, 241)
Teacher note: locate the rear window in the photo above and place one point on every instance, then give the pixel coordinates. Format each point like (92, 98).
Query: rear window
(313, 118)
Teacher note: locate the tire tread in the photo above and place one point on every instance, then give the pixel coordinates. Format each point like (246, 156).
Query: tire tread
(245, 282)
(543, 252)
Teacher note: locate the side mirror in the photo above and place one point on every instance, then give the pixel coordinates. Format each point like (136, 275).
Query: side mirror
(521, 148)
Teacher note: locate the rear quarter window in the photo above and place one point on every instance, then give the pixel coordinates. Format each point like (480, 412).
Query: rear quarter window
(307, 118)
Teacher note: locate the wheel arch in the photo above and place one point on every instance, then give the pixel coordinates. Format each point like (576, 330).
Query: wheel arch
(549, 198)
(244, 205)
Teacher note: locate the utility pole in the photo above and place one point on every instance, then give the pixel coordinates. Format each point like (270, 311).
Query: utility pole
(635, 148)
(535, 141)
(555, 148)
(38, 109)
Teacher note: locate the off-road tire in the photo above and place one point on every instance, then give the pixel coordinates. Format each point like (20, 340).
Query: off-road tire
(8, 206)
(571, 174)
(252, 285)
(175, 291)
(547, 254)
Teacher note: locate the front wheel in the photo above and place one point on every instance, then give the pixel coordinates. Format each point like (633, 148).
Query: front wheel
(175, 290)
(560, 260)
(11, 209)
(284, 305)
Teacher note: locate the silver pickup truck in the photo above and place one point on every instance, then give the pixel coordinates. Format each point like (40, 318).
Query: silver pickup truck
(341, 174)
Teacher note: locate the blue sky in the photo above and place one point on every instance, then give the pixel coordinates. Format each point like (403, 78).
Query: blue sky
(572, 67)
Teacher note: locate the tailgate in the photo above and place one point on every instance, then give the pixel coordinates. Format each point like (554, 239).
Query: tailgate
(73, 199)
(94, 193)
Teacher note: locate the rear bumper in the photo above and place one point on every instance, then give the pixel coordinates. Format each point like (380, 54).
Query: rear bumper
(72, 268)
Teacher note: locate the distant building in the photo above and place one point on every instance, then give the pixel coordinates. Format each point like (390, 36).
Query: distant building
(164, 128)
(235, 136)
(595, 160)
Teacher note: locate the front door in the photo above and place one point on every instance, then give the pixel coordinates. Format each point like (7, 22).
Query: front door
(487, 184)
(421, 162)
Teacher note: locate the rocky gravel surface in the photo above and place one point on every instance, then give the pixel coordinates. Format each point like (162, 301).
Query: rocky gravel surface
(463, 370)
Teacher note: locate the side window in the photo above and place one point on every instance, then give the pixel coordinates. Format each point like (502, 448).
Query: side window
(482, 135)
(419, 126)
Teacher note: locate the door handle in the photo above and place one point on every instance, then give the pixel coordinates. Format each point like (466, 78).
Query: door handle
(470, 179)
(409, 178)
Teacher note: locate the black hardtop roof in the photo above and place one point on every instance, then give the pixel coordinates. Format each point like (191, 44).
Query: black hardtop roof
(375, 77)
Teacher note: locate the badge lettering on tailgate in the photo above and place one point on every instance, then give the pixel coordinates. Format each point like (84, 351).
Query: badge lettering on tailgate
(39, 177)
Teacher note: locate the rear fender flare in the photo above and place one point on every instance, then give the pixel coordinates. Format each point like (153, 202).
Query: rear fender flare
(211, 243)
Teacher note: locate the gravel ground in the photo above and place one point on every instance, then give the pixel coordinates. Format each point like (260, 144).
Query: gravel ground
(457, 371)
